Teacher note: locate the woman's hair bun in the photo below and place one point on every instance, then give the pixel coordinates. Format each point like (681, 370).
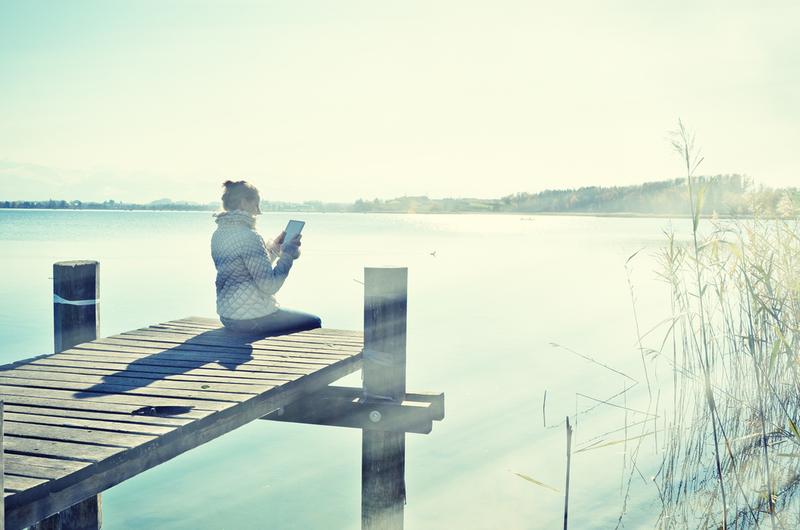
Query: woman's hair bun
(235, 192)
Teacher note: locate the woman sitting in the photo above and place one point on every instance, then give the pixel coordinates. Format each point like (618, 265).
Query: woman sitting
(250, 272)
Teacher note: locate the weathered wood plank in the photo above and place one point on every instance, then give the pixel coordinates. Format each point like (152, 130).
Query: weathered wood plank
(91, 408)
(71, 433)
(36, 503)
(119, 418)
(243, 374)
(312, 337)
(136, 401)
(182, 356)
(59, 449)
(191, 359)
(223, 338)
(141, 380)
(13, 483)
(166, 371)
(75, 435)
(123, 389)
(173, 341)
(188, 357)
(225, 350)
(83, 423)
(41, 467)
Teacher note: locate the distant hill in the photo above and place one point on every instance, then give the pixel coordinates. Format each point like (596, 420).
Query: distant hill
(722, 194)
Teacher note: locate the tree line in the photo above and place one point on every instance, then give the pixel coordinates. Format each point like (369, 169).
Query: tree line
(727, 195)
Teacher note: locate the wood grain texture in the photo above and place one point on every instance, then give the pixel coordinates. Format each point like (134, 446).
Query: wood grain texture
(71, 431)
(382, 452)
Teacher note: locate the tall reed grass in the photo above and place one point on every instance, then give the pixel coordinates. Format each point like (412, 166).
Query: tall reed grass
(732, 452)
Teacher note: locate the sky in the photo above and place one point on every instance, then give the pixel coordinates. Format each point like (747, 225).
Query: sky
(338, 100)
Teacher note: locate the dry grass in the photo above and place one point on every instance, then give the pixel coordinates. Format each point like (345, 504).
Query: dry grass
(732, 447)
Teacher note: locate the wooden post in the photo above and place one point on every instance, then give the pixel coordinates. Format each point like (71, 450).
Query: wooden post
(2, 470)
(76, 319)
(384, 371)
(75, 295)
(566, 486)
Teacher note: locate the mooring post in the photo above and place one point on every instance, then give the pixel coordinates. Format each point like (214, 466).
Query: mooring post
(76, 290)
(2, 469)
(384, 371)
(76, 293)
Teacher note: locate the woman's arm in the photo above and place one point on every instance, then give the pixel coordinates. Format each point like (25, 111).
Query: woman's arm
(258, 261)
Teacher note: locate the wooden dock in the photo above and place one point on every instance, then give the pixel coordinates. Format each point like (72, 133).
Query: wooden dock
(102, 410)
(80, 421)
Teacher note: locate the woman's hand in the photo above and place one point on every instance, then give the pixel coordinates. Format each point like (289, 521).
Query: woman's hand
(275, 245)
(291, 248)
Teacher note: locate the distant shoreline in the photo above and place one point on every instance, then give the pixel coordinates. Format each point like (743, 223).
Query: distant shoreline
(723, 196)
(522, 215)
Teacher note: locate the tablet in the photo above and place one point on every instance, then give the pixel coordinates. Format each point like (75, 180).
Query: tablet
(293, 229)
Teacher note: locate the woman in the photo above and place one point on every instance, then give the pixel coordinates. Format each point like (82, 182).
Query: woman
(249, 272)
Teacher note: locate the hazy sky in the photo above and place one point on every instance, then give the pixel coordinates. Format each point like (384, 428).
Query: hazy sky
(336, 100)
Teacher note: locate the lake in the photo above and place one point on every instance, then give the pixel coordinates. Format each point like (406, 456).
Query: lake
(484, 314)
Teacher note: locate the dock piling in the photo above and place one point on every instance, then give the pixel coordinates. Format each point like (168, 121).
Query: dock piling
(76, 319)
(384, 372)
(285, 378)
(76, 290)
(2, 469)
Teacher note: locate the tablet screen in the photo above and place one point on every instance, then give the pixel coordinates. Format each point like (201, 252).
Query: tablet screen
(292, 229)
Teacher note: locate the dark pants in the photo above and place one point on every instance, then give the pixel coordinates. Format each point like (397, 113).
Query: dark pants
(277, 323)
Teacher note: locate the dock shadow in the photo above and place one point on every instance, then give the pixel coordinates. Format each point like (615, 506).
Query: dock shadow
(224, 347)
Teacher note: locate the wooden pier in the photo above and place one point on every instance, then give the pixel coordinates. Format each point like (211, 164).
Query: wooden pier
(101, 411)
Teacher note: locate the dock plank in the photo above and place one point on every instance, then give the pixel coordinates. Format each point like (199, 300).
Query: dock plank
(180, 357)
(25, 416)
(166, 371)
(122, 389)
(91, 415)
(228, 350)
(298, 341)
(71, 431)
(142, 380)
(191, 371)
(13, 483)
(41, 467)
(59, 449)
(60, 433)
(134, 401)
(62, 405)
(293, 349)
(301, 337)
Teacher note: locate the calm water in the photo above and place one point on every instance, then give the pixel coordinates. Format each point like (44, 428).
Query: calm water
(482, 316)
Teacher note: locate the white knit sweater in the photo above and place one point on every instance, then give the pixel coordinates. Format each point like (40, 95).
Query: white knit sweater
(246, 278)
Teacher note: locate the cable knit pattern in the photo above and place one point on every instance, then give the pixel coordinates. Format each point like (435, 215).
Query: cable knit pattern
(246, 279)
